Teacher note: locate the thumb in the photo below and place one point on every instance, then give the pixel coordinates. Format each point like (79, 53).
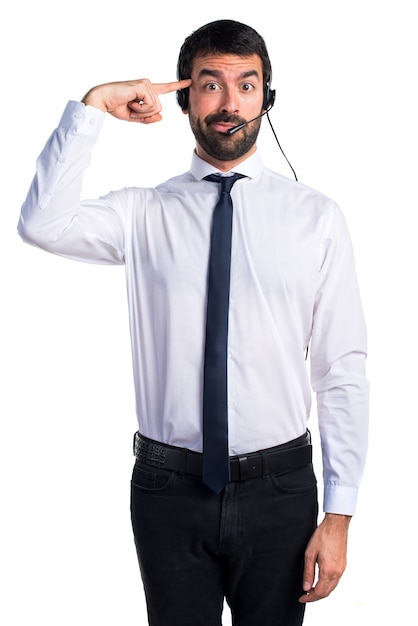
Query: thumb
(309, 572)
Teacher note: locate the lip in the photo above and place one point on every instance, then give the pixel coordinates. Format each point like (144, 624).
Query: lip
(222, 127)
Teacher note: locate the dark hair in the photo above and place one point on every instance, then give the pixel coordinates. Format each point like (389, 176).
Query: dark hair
(220, 37)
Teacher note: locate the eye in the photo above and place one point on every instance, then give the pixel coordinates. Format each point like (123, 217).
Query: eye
(212, 87)
(247, 87)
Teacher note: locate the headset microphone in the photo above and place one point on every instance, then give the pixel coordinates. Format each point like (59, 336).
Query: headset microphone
(234, 129)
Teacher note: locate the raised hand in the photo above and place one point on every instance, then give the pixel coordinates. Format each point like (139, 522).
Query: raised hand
(133, 101)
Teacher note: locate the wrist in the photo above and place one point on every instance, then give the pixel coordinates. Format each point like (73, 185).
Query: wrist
(337, 519)
(94, 99)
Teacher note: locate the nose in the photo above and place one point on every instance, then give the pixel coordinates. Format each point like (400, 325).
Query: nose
(229, 103)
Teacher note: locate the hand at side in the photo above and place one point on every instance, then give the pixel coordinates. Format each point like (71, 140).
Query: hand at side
(327, 551)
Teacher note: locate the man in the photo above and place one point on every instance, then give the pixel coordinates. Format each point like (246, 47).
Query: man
(250, 537)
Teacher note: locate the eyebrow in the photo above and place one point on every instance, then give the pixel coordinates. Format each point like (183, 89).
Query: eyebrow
(216, 74)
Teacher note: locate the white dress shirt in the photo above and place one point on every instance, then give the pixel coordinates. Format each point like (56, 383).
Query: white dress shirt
(293, 284)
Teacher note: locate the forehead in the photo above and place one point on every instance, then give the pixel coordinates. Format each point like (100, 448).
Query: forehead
(227, 65)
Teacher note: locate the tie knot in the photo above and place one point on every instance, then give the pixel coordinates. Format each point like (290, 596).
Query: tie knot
(226, 181)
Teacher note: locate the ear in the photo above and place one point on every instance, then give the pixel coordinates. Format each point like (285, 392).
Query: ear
(185, 111)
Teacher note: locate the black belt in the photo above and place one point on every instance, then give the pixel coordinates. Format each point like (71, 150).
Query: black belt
(278, 460)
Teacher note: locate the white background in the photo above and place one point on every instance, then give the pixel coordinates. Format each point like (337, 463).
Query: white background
(345, 73)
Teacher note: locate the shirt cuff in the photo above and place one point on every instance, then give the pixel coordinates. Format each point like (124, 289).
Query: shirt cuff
(340, 500)
(82, 119)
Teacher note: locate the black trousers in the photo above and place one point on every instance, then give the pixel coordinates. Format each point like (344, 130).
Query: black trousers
(245, 545)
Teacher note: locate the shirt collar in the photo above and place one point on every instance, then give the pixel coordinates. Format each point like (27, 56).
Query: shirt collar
(251, 167)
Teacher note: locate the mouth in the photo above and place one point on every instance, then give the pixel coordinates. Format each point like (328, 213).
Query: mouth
(222, 127)
(222, 123)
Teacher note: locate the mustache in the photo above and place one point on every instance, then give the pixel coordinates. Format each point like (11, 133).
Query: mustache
(214, 118)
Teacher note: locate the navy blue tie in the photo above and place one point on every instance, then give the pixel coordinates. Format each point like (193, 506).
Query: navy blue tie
(216, 473)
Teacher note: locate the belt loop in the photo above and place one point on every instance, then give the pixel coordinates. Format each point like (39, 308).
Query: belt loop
(265, 463)
(243, 467)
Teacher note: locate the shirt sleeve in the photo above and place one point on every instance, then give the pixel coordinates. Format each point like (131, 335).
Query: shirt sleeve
(53, 217)
(338, 353)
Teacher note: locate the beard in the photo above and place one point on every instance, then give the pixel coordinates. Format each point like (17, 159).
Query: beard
(222, 146)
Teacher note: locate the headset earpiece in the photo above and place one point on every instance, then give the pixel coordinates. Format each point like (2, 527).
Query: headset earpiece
(183, 98)
(269, 95)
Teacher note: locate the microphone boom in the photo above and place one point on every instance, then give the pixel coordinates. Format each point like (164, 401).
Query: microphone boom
(234, 129)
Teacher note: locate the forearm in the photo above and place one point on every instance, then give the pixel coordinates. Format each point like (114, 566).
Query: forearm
(343, 425)
(53, 217)
(57, 183)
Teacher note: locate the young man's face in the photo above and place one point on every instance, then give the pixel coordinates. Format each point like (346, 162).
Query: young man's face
(226, 91)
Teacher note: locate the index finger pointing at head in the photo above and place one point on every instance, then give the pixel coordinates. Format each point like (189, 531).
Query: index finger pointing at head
(161, 88)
